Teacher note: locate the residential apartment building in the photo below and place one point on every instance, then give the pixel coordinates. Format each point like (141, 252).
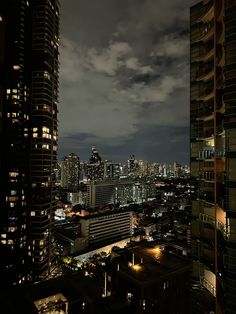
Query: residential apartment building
(70, 172)
(213, 148)
(29, 38)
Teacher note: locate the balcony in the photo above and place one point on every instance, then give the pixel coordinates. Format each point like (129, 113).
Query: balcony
(205, 72)
(206, 153)
(206, 92)
(208, 13)
(210, 165)
(203, 35)
(209, 286)
(207, 176)
(205, 115)
(207, 188)
(210, 219)
(202, 54)
(206, 132)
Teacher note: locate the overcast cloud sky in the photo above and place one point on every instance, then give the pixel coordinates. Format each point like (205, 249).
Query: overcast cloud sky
(124, 79)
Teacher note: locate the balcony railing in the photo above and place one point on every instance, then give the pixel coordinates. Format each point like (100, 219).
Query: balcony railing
(208, 286)
(211, 220)
(207, 12)
(206, 71)
(202, 54)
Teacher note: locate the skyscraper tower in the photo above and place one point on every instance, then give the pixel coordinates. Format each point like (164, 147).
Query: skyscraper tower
(213, 110)
(28, 135)
(70, 172)
(132, 165)
(95, 166)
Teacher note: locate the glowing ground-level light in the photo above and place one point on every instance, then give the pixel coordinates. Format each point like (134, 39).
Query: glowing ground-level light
(137, 267)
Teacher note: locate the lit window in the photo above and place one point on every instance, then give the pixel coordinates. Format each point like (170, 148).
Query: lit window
(46, 75)
(3, 241)
(13, 174)
(45, 129)
(16, 67)
(13, 192)
(12, 229)
(32, 214)
(35, 129)
(45, 135)
(0, 18)
(11, 198)
(3, 235)
(8, 91)
(35, 134)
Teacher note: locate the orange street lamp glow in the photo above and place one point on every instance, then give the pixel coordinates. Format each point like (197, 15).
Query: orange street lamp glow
(157, 250)
(137, 267)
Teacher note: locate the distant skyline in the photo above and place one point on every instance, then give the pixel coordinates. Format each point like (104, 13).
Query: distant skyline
(125, 79)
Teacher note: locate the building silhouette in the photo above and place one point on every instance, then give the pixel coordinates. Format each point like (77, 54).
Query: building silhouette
(28, 134)
(213, 99)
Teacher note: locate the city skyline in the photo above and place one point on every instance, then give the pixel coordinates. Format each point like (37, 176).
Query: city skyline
(121, 219)
(120, 82)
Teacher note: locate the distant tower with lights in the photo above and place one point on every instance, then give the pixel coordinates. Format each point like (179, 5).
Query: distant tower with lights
(70, 172)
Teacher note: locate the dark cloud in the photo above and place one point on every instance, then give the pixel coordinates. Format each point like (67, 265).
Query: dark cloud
(124, 78)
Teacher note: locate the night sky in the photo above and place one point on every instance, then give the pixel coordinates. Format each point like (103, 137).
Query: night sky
(124, 79)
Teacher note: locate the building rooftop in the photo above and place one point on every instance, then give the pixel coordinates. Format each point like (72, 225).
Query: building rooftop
(104, 213)
(153, 264)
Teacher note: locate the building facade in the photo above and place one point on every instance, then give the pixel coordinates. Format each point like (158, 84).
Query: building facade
(28, 135)
(111, 170)
(95, 166)
(105, 228)
(100, 194)
(70, 172)
(213, 97)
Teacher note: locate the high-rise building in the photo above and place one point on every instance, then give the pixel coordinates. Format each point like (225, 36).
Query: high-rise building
(100, 194)
(95, 166)
(132, 165)
(70, 172)
(111, 170)
(143, 168)
(28, 136)
(213, 142)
